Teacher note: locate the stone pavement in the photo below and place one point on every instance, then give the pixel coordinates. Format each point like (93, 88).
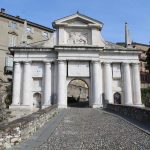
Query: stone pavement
(87, 129)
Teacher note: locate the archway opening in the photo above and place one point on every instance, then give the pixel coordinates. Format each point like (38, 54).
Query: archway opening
(117, 98)
(37, 100)
(78, 93)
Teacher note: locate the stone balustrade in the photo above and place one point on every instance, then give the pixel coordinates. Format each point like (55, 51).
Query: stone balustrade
(21, 129)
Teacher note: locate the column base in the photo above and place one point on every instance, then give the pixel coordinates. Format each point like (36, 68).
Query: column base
(139, 105)
(130, 104)
(20, 107)
(96, 106)
(61, 106)
(45, 106)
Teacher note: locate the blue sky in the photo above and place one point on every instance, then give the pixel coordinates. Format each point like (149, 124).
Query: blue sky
(113, 13)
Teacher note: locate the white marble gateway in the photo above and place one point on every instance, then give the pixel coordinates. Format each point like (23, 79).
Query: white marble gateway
(75, 50)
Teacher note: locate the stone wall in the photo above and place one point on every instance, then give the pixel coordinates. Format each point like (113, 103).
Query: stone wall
(5, 93)
(3, 90)
(21, 129)
(138, 113)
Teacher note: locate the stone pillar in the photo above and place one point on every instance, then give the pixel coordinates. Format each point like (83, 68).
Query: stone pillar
(61, 36)
(16, 84)
(62, 91)
(136, 84)
(108, 82)
(127, 84)
(96, 84)
(26, 94)
(47, 84)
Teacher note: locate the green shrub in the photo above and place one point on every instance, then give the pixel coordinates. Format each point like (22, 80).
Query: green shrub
(145, 93)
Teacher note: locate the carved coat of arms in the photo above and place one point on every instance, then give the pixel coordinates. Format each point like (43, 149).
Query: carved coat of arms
(78, 38)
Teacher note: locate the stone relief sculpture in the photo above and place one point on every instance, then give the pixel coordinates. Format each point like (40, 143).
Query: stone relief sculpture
(80, 38)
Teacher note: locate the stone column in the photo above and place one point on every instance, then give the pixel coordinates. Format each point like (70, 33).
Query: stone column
(47, 84)
(127, 84)
(136, 84)
(26, 94)
(16, 84)
(96, 84)
(108, 82)
(62, 91)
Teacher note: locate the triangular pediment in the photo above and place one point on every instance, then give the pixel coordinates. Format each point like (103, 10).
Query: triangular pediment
(77, 19)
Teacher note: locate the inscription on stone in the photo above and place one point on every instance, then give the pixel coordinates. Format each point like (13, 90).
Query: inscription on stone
(116, 71)
(37, 70)
(78, 69)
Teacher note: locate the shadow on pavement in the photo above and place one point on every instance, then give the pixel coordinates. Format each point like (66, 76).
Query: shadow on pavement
(82, 104)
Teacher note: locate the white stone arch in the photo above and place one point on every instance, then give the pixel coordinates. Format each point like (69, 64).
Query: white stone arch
(84, 79)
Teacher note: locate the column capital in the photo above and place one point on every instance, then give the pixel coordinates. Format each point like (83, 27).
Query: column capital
(125, 63)
(60, 61)
(96, 61)
(47, 61)
(107, 63)
(17, 62)
(135, 64)
(27, 62)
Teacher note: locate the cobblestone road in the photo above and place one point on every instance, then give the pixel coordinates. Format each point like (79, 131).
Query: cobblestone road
(93, 129)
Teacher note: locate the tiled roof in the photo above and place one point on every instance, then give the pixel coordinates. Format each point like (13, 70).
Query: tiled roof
(110, 45)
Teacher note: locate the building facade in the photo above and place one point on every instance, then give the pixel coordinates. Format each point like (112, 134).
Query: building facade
(11, 34)
(144, 73)
(75, 51)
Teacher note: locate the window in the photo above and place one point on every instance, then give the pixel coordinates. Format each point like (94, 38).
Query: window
(45, 34)
(8, 69)
(13, 25)
(29, 39)
(30, 30)
(12, 39)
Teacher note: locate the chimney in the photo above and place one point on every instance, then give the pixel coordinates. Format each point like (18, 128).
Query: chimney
(2, 10)
(17, 16)
(128, 41)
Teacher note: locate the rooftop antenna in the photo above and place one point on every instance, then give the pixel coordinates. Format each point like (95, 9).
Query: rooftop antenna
(128, 41)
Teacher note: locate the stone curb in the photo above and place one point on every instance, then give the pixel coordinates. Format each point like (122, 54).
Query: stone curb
(42, 135)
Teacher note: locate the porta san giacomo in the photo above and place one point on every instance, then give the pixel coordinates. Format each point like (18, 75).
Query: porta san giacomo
(76, 50)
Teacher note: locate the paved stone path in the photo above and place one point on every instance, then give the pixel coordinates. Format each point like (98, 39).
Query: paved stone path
(89, 129)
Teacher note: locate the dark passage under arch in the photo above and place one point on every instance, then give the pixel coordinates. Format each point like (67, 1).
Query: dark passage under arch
(78, 93)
